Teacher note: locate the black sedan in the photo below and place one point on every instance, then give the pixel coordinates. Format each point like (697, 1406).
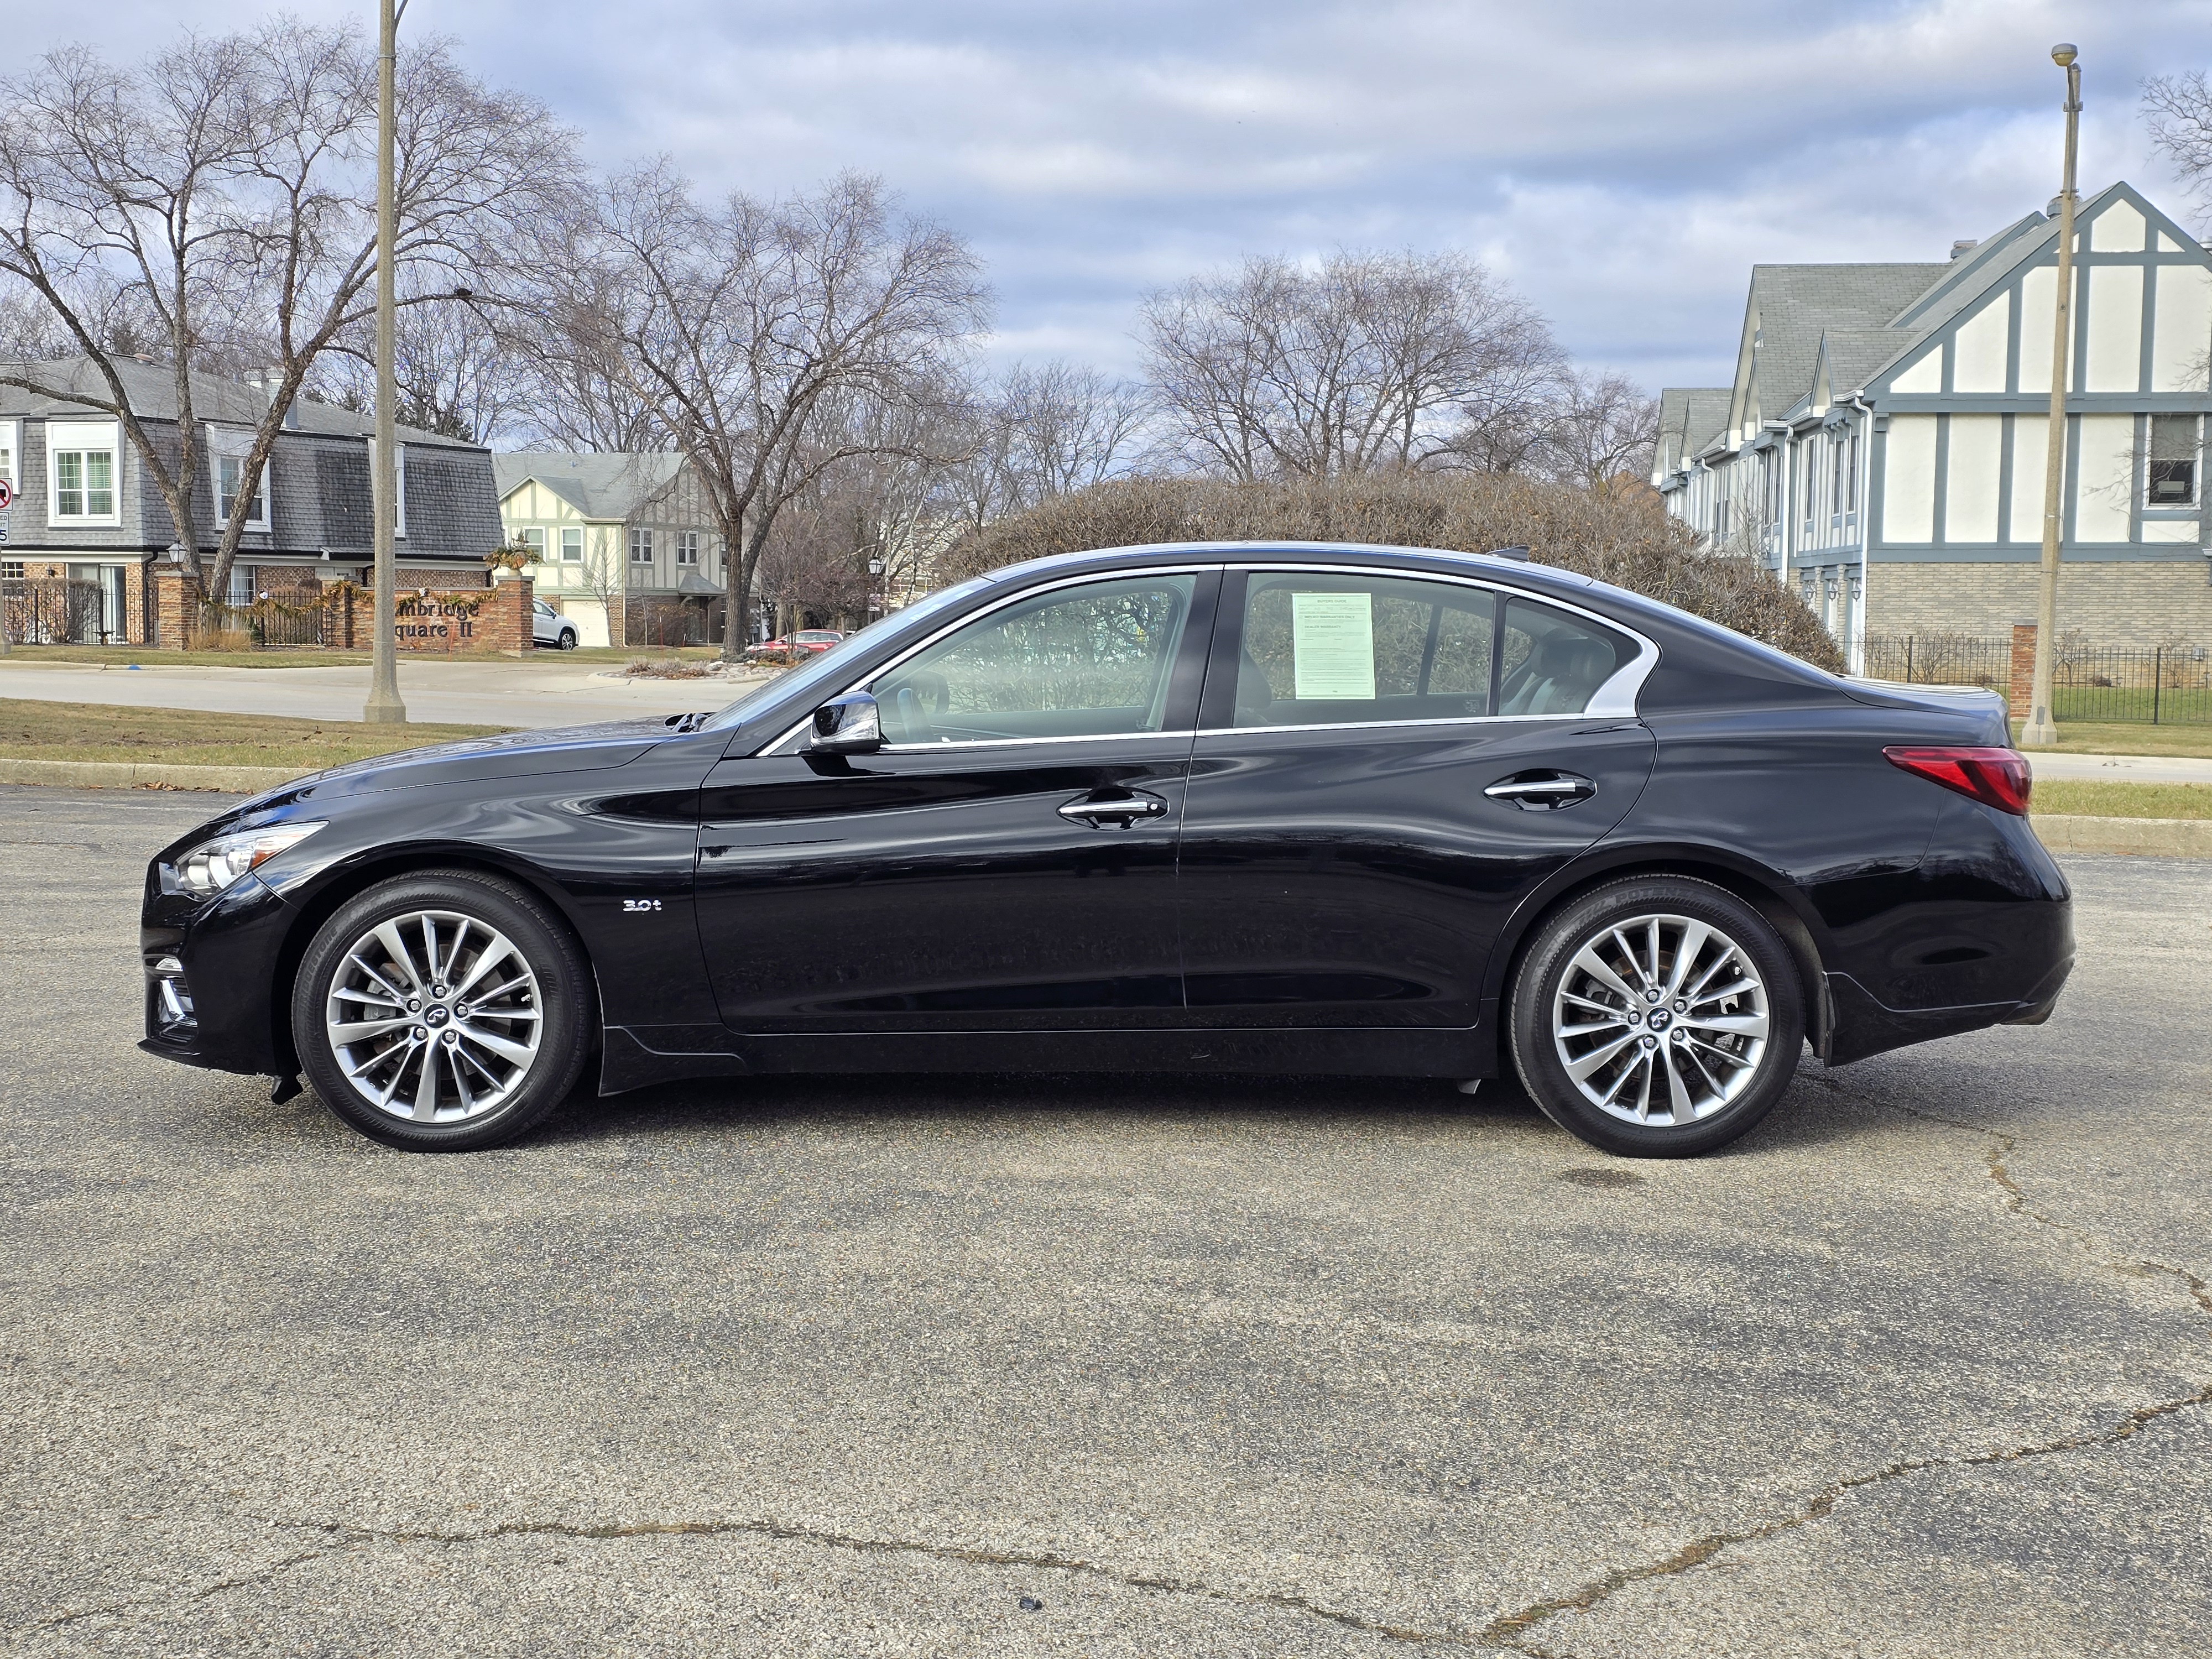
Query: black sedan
(1260, 808)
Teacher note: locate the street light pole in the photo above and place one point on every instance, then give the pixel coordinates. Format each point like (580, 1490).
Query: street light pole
(384, 706)
(2041, 732)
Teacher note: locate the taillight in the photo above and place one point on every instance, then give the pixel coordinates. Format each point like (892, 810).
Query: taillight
(1995, 777)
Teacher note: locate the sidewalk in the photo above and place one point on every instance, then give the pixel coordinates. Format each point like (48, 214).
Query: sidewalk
(528, 693)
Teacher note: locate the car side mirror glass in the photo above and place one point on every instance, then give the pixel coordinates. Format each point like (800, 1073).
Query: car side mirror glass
(852, 725)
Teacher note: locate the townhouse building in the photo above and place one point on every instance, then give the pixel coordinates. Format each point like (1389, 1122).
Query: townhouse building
(1883, 445)
(626, 543)
(87, 514)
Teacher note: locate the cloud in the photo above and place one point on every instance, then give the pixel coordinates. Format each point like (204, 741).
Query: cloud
(1624, 164)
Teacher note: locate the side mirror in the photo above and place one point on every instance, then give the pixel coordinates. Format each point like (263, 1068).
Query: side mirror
(853, 725)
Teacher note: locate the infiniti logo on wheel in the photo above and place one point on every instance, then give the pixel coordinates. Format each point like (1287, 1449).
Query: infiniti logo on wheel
(434, 1015)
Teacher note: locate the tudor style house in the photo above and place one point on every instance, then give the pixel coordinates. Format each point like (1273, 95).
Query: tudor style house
(86, 510)
(627, 546)
(1883, 443)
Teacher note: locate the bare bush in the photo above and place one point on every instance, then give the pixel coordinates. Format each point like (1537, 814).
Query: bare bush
(1622, 538)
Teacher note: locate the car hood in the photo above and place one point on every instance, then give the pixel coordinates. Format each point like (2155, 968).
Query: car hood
(509, 755)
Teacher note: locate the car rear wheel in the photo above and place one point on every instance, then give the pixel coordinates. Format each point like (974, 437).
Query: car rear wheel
(1657, 1016)
(442, 1012)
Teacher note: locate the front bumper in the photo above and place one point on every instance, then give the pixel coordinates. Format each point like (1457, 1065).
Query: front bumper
(211, 970)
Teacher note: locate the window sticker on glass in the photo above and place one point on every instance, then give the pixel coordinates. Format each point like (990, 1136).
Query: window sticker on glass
(1333, 645)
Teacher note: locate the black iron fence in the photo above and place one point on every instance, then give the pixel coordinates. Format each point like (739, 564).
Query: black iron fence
(1940, 659)
(2162, 685)
(264, 624)
(49, 611)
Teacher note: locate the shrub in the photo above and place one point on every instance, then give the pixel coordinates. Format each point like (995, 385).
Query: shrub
(1621, 536)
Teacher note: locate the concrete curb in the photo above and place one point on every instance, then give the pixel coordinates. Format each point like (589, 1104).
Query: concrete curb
(2171, 838)
(147, 774)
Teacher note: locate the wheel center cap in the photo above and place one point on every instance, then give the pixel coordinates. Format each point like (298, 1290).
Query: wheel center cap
(1659, 1019)
(434, 1015)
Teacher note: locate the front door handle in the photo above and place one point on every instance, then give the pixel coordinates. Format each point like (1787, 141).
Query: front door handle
(1539, 792)
(1125, 810)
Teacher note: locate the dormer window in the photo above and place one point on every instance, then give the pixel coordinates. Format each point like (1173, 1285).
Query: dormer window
(2170, 480)
(81, 474)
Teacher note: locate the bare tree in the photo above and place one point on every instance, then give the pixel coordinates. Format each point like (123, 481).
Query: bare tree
(741, 326)
(1604, 430)
(455, 377)
(223, 192)
(1277, 370)
(2178, 111)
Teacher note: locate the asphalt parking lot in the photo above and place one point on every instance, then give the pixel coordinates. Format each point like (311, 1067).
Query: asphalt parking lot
(1103, 1366)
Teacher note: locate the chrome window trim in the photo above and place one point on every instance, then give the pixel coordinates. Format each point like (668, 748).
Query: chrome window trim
(775, 746)
(1615, 699)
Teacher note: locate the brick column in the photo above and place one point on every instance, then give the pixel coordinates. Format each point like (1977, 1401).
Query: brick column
(2023, 670)
(176, 607)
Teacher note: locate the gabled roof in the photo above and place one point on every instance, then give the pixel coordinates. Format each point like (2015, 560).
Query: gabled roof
(151, 392)
(1791, 307)
(1689, 417)
(610, 485)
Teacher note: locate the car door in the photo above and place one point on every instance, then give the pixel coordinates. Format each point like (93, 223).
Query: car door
(1005, 861)
(1388, 765)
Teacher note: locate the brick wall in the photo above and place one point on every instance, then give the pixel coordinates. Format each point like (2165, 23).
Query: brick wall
(176, 607)
(135, 617)
(2023, 670)
(2136, 603)
(450, 621)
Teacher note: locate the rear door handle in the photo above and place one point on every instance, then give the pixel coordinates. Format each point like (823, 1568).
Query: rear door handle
(1125, 809)
(1542, 791)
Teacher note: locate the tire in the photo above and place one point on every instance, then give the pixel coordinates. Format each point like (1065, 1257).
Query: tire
(508, 1061)
(1671, 1077)
(568, 640)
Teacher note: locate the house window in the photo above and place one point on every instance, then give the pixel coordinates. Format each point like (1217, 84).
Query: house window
(534, 539)
(8, 452)
(641, 547)
(687, 547)
(228, 469)
(81, 468)
(2170, 479)
(572, 546)
(399, 472)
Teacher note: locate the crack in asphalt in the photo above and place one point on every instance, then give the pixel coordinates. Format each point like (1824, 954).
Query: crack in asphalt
(349, 1535)
(1500, 1633)
(1504, 1630)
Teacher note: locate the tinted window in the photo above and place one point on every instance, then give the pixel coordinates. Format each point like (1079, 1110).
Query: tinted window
(1320, 649)
(1551, 663)
(1088, 662)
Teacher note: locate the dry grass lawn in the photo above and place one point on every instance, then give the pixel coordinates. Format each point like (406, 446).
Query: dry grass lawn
(2132, 738)
(2088, 798)
(192, 737)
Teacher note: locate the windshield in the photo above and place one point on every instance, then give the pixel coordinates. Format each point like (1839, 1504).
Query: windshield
(832, 665)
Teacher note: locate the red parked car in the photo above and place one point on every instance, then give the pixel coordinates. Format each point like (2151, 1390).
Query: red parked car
(803, 643)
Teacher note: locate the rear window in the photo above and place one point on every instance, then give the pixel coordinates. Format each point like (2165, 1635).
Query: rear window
(1323, 648)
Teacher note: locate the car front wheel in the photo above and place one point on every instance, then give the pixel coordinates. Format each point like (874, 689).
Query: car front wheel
(567, 642)
(442, 1012)
(1657, 1016)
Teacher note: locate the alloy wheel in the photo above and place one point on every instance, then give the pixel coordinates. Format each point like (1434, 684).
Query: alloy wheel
(1661, 1020)
(433, 1016)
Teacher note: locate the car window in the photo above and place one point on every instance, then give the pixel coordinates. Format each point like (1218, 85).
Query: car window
(1322, 649)
(1553, 663)
(1088, 661)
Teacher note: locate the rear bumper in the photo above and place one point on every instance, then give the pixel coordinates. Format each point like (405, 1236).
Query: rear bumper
(1862, 1026)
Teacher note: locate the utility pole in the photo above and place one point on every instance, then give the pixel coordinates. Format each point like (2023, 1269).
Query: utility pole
(384, 706)
(2041, 732)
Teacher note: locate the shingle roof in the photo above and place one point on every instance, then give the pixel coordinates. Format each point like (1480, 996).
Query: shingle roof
(151, 389)
(1689, 417)
(1854, 353)
(1797, 304)
(611, 485)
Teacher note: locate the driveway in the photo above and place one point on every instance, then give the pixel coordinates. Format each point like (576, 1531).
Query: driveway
(1104, 1366)
(534, 691)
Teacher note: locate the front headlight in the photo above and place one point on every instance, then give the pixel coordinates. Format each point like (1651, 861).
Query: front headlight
(212, 865)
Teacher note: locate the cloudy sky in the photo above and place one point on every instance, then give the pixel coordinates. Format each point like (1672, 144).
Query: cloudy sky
(1623, 163)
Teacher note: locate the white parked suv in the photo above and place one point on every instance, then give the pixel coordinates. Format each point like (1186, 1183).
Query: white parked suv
(548, 627)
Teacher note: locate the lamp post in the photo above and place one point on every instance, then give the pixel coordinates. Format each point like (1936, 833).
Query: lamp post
(2041, 732)
(384, 706)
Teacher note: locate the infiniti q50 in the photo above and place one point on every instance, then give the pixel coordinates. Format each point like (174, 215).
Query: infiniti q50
(1261, 808)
